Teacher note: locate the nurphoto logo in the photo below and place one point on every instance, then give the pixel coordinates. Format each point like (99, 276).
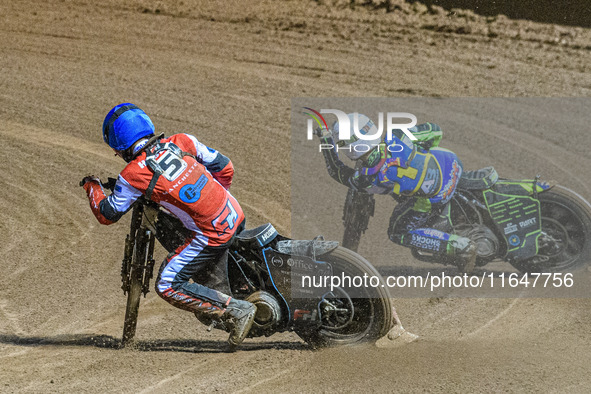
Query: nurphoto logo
(345, 124)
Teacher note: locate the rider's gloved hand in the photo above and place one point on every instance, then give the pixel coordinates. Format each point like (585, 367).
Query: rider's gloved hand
(322, 132)
(89, 178)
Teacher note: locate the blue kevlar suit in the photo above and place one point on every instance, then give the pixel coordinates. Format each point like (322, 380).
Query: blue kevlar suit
(420, 175)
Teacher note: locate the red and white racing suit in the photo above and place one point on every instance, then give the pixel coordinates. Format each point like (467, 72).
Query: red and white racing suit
(193, 187)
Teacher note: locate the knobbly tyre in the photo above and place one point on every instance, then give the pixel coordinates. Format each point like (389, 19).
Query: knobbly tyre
(261, 267)
(535, 226)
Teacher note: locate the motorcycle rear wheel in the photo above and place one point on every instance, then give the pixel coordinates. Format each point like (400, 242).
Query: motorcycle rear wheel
(566, 219)
(369, 315)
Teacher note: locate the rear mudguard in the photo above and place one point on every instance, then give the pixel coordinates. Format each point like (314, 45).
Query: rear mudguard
(309, 248)
(523, 187)
(515, 210)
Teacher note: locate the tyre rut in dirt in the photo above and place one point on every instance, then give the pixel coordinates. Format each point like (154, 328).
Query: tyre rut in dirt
(566, 220)
(369, 318)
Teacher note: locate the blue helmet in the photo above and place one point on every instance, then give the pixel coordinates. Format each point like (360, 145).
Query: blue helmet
(124, 125)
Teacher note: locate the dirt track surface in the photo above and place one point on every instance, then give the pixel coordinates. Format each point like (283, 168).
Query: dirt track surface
(228, 76)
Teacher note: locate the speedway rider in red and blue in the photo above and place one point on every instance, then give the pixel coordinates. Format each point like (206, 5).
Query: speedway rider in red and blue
(421, 176)
(192, 182)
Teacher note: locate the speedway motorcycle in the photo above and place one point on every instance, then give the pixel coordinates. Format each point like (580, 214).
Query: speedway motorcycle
(533, 225)
(265, 268)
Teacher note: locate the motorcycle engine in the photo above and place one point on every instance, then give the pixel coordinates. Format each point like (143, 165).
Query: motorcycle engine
(487, 243)
(268, 313)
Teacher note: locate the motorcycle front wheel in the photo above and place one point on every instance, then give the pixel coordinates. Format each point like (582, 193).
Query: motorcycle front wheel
(138, 268)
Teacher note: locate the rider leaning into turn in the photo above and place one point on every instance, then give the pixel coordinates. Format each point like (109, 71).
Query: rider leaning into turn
(420, 175)
(191, 181)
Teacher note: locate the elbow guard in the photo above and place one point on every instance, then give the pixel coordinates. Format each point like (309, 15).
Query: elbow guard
(97, 200)
(222, 170)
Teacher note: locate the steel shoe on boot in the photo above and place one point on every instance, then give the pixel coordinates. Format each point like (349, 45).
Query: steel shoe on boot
(240, 315)
(464, 252)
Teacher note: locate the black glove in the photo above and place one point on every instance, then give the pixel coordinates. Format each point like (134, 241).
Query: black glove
(110, 184)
